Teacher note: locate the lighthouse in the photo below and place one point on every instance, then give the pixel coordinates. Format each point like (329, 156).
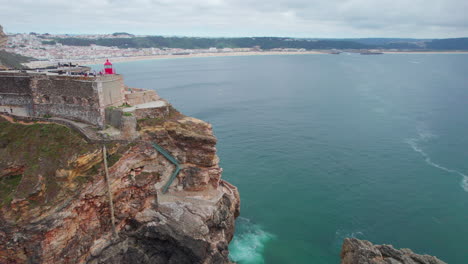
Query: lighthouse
(108, 68)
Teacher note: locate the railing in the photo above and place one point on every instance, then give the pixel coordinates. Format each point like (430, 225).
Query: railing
(169, 157)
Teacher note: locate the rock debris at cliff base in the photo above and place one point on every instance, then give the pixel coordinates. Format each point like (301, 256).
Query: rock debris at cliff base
(355, 251)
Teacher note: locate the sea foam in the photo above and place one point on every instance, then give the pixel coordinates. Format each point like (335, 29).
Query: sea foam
(248, 243)
(341, 234)
(424, 136)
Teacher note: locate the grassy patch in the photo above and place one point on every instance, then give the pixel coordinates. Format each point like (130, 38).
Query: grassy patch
(112, 159)
(42, 149)
(8, 185)
(124, 105)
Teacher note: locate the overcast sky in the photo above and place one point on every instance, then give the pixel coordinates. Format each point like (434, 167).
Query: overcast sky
(294, 18)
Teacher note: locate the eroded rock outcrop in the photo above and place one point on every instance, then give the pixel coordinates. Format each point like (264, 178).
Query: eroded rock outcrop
(55, 209)
(355, 251)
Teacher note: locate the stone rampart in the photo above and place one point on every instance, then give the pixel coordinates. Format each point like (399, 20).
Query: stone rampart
(77, 98)
(15, 93)
(67, 97)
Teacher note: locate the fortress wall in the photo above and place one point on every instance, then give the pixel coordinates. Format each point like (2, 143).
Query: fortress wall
(67, 97)
(77, 98)
(112, 90)
(15, 84)
(15, 93)
(15, 99)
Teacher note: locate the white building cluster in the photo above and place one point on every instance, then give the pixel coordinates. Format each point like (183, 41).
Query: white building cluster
(43, 47)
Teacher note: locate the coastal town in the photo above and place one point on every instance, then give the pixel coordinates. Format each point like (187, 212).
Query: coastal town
(44, 48)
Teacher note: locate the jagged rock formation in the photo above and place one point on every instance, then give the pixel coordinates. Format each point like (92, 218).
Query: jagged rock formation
(355, 251)
(3, 38)
(54, 206)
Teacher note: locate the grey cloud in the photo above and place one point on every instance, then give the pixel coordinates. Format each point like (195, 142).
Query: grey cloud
(297, 18)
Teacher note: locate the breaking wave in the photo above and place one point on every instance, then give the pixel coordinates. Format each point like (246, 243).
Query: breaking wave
(424, 136)
(249, 242)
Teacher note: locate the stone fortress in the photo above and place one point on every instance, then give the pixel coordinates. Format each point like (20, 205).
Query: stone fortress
(98, 100)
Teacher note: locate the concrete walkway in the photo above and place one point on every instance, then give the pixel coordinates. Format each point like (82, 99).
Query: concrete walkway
(154, 104)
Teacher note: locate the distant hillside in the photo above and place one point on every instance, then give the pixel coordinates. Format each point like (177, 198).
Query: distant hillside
(204, 43)
(448, 44)
(122, 34)
(386, 41)
(270, 43)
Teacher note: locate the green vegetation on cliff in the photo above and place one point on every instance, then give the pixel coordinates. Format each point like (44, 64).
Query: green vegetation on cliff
(7, 186)
(11, 60)
(31, 155)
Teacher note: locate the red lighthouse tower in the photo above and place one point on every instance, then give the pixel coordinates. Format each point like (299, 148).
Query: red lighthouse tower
(108, 68)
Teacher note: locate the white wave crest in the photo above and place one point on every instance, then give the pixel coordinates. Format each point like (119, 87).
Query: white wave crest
(464, 183)
(425, 136)
(248, 243)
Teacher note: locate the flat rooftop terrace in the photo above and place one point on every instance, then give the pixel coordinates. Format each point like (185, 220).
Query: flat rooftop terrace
(77, 76)
(58, 70)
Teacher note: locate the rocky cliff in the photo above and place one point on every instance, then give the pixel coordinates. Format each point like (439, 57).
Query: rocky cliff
(3, 38)
(355, 251)
(10, 60)
(55, 208)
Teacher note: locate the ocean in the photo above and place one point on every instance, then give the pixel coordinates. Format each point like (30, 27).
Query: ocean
(324, 147)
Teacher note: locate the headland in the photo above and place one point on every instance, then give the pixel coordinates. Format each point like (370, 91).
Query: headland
(92, 171)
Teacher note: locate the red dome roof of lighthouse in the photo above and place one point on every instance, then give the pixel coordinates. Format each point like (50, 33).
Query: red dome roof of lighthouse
(107, 63)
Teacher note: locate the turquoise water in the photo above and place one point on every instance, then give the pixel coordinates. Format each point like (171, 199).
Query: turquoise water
(324, 147)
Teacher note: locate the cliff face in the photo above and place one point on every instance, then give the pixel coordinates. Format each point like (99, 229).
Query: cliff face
(55, 208)
(3, 38)
(355, 251)
(10, 60)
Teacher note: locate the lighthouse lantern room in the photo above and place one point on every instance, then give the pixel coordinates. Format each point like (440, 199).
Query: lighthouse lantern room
(108, 68)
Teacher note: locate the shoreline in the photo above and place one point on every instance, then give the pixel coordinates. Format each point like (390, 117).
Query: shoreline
(35, 64)
(425, 52)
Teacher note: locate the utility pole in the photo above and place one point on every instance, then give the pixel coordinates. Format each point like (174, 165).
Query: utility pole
(111, 202)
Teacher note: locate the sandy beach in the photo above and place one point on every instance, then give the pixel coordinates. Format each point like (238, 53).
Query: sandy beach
(36, 64)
